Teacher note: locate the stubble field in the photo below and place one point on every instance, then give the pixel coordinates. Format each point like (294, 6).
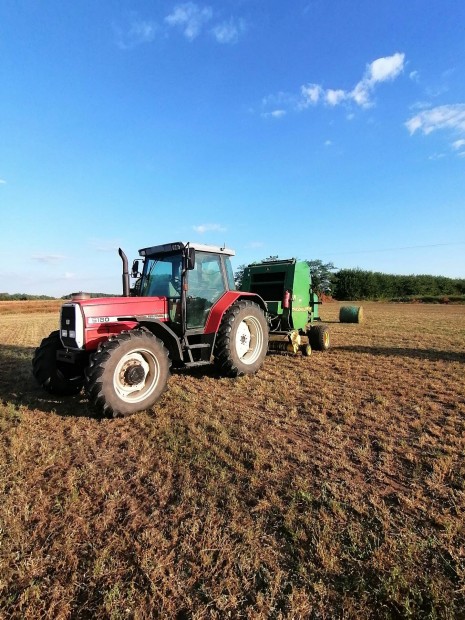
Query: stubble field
(323, 487)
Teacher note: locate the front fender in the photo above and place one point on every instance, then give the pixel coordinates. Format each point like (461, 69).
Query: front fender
(165, 334)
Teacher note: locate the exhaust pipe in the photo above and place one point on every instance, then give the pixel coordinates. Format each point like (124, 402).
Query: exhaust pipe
(124, 258)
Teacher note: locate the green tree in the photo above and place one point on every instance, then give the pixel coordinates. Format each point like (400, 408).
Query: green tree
(322, 276)
(239, 275)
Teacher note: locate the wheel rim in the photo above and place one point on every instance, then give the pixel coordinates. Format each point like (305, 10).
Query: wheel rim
(136, 375)
(326, 339)
(249, 340)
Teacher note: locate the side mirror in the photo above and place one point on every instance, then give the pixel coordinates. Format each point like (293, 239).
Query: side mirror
(190, 259)
(135, 269)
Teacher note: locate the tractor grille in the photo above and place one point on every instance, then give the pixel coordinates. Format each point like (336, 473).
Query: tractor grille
(68, 334)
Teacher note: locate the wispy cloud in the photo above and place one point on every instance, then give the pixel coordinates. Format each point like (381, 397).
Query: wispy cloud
(441, 117)
(48, 259)
(190, 18)
(135, 33)
(2, 182)
(203, 228)
(105, 245)
(229, 32)
(274, 114)
(384, 69)
(449, 118)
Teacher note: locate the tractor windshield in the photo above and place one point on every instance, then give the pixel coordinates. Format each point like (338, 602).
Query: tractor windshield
(162, 276)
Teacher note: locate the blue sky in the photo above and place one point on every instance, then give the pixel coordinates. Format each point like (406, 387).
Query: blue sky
(322, 129)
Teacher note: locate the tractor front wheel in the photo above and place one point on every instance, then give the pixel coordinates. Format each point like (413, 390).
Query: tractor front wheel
(55, 377)
(242, 340)
(127, 373)
(318, 337)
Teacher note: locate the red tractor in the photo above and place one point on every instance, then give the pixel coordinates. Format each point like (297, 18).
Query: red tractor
(184, 311)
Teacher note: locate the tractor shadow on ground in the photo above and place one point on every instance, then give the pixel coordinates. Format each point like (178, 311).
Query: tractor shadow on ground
(19, 388)
(207, 370)
(425, 354)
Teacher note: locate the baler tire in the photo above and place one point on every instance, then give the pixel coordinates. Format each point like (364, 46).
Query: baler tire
(242, 340)
(108, 385)
(318, 337)
(55, 377)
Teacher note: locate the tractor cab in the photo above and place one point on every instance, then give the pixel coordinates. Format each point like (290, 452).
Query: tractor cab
(192, 277)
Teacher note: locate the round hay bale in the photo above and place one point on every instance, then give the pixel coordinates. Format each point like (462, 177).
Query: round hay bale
(351, 314)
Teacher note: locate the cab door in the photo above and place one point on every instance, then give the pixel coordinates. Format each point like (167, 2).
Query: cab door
(205, 285)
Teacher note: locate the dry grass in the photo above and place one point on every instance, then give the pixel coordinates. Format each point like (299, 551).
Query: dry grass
(328, 487)
(30, 307)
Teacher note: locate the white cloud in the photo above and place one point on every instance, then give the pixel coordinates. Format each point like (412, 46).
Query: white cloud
(383, 69)
(414, 76)
(48, 258)
(2, 182)
(361, 94)
(441, 117)
(387, 68)
(311, 94)
(380, 70)
(229, 31)
(458, 144)
(328, 143)
(136, 33)
(203, 228)
(334, 97)
(190, 18)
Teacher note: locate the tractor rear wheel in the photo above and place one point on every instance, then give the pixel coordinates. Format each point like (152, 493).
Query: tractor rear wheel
(55, 377)
(242, 340)
(318, 337)
(127, 373)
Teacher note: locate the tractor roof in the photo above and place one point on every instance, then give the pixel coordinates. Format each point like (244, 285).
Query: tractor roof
(180, 245)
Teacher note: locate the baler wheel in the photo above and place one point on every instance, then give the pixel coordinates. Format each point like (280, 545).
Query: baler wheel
(55, 377)
(318, 337)
(127, 373)
(306, 350)
(242, 340)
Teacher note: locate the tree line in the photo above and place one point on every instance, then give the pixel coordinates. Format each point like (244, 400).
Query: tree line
(372, 285)
(359, 284)
(27, 297)
(22, 297)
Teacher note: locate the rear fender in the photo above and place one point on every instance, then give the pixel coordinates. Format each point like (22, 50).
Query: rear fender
(165, 334)
(224, 303)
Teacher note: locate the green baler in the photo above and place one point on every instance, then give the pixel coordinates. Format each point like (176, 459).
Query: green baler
(285, 286)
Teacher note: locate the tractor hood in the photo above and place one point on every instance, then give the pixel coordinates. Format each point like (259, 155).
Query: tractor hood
(86, 322)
